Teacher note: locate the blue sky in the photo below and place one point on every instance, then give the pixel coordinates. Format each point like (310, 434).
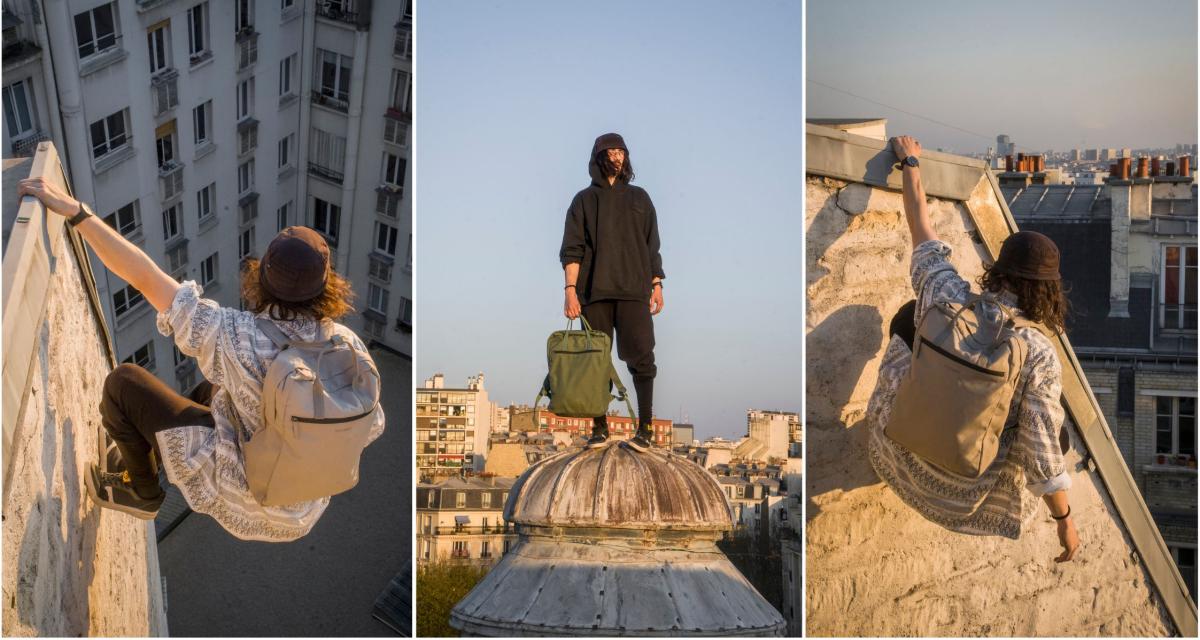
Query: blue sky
(1052, 75)
(510, 96)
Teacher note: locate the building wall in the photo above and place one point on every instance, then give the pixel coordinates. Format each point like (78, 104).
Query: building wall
(876, 567)
(444, 448)
(69, 567)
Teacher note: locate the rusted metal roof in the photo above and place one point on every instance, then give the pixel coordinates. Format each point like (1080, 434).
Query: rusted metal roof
(616, 486)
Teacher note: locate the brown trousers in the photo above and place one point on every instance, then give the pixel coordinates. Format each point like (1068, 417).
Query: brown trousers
(136, 406)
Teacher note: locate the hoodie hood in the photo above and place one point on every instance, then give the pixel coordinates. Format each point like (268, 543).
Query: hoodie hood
(604, 143)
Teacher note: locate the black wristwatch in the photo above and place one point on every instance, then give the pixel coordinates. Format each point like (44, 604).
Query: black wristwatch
(84, 214)
(910, 161)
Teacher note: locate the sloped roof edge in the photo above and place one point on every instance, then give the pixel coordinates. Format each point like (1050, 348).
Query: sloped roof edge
(836, 154)
(34, 247)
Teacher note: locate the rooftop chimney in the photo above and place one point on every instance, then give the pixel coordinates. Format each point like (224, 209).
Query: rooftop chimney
(1155, 169)
(1123, 166)
(1008, 163)
(1185, 169)
(1143, 170)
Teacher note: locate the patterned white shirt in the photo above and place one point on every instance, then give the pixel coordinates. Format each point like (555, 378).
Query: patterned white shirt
(1029, 462)
(206, 463)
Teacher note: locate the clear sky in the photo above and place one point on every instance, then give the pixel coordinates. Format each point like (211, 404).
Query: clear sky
(509, 98)
(1050, 74)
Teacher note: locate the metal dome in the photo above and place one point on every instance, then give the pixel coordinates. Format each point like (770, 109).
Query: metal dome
(617, 487)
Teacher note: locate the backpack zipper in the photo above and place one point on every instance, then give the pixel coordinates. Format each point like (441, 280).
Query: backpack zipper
(334, 420)
(965, 363)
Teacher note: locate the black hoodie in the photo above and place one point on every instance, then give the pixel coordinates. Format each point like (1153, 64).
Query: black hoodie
(612, 232)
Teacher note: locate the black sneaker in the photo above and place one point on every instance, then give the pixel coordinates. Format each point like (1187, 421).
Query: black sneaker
(115, 491)
(599, 438)
(641, 441)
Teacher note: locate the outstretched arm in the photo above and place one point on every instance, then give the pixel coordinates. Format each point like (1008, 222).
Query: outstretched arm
(916, 210)
(124, 258)
(570, 297)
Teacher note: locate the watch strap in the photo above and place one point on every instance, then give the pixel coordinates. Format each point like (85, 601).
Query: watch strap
(83, 214)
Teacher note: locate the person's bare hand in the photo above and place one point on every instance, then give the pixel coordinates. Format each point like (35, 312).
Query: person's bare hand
(571, 304)
(656, 301)
(904, 146)
(1068, 538)
(52, 196)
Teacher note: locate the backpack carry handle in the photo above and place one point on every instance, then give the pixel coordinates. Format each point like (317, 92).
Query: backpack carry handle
(974, 301)
(586, 328)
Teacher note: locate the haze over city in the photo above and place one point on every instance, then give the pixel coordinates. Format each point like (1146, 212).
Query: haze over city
(1050, 75)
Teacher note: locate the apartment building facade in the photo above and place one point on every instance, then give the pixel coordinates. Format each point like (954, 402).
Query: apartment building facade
(462, 520)
(453, 426)
(200, 129)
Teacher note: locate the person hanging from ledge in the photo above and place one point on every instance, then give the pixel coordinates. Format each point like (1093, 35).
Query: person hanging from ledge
(613, 272)
(960, 469)
(218, 455)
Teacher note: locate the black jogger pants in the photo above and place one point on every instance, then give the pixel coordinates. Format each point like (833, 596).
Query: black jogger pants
(634, 327)
(136, 406)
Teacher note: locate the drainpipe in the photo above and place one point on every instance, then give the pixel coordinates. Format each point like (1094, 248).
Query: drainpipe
(50, 82)
(358, 81)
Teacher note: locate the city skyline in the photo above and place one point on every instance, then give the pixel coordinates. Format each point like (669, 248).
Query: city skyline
(708, 109)
(1047, 75)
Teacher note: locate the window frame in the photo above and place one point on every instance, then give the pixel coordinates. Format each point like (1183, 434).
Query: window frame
(133, 299)
(208, 269)
(95, 39)
(165, 44)
(283, 215)
(117, 225)
(385, 238)
(377, 294)
(1174, 427)
(205, 199)
(107, 123)
(246, 168)
(331, 215)
(285, 146)
(287, 67)
(400, 97)
(172, 219)
(342, 64)
(199, 11)
(202, 122)
(244, 99)
(394, 176)
(143, 357)
(165, 149)
(12, 112)
(246, 243)
(1184, 284)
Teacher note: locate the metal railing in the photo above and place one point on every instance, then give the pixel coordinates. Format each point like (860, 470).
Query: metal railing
(25, 147)
(325, 172)
(341, 10)
(333, 102)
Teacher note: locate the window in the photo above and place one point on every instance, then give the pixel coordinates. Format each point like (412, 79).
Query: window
(204, 201)
(177, 356)
(197, 18)
(245, 176)
(1175, 426)
(334, 81)
(460, 499)
(125, 300)
(177, 257)
(282, 216)
(143, 356)
(402, 46)
(285, 151)
(245, 98)
(379, 269)
(327, 154)
(164, 147)
(208, 270)
(202, 123)
(156, 39)
(247, 137)
(18, 109)
(243, 15)
(1185, 559)
(246, 243)
(125, 220)
(400, 93)
(248, 212)
(1178, 284)
(486, 496)
(393, 169)
(285, 74)
(326, 218)
(373, 327)
(385, 238)
(408, 254)
(395, 132)
(108, 134)
(95, 30)
(377, 298)
(172, 225)
(1125, 391)
(284, 5)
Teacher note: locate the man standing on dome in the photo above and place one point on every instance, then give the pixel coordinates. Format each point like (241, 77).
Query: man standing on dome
(613, 272)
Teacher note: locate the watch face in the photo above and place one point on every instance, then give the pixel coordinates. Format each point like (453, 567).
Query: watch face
(910, 161)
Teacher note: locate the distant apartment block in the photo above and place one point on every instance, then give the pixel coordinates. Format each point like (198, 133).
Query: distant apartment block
(200, 129)
(453, 425)
(461, 520)
(619, 427)
(768, 435)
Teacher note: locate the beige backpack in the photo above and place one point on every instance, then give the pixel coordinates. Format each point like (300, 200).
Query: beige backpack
(318, 405)
(951, 408)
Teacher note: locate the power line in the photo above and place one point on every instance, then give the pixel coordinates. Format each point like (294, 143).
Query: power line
(909, 113)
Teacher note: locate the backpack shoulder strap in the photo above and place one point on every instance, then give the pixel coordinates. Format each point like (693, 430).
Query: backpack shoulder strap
(273, 332)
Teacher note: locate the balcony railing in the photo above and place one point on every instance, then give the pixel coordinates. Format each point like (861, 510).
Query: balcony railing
(402, 46)
(333, 102)
(165, 86)
(471, 531)
(387, 200)
(327, 173)
(170, 179)
(25, 147)
(352, 12)
(247, 47)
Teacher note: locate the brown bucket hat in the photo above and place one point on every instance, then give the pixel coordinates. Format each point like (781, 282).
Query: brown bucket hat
(1030, 255)
(296, 265)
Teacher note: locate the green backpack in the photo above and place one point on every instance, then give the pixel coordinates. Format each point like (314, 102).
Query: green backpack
(582, 375)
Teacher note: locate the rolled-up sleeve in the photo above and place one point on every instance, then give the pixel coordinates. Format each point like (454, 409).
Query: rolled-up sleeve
(195, 323)
(1040, 421)
(574, 241)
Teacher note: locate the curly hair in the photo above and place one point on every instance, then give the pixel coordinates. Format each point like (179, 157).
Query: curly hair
(1043, 301)
(607, 168)
(336, 301)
